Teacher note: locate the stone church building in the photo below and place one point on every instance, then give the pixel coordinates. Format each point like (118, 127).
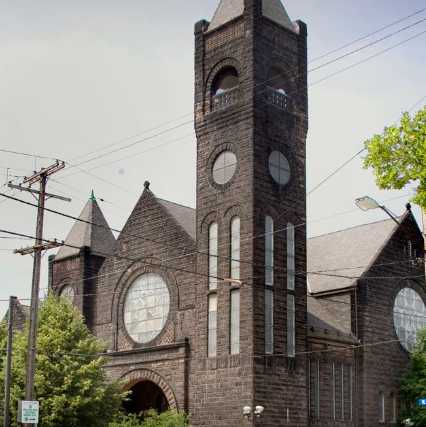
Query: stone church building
(226, 306)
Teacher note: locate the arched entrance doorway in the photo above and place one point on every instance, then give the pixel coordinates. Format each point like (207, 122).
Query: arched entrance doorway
(148, 390)
(146, 395)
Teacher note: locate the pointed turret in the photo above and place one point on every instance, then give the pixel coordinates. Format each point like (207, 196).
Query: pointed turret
(85, 233)
(231, 9)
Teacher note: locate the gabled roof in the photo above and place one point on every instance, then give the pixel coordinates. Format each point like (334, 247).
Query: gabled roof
(230, 9)
(354, 247)
(184, 216)
(98, 238)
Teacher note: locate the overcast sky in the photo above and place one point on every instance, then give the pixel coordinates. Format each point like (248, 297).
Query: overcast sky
(78, 76)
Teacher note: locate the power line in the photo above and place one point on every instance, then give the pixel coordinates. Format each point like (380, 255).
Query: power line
(336, 349)
(335, 172)
(132, 144)
(143, 238)
(258, 84)
(3, 150)
(195, 273)
(133, 136)
(374, 42)
(132, 156)
(315, 83)
(367, 59)
(367, 35)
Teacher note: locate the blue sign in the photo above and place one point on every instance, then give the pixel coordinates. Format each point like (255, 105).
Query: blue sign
(421, 402)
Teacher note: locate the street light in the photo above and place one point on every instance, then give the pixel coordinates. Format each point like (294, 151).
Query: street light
(367, 203)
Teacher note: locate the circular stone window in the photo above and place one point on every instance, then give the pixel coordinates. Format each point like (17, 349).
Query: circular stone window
(146, 307)
(409, 316)
(68, 293)
(279, 168)
(224, 167)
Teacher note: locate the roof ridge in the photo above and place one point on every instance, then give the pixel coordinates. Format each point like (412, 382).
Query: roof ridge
(351, 228)
(177, 204)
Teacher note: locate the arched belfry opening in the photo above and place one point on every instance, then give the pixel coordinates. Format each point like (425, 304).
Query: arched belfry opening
(146, 395)
(224, 89)
(226, 80)
(277, 81)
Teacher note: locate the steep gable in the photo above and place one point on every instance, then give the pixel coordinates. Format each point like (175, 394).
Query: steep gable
(85, 233)
(157, 216)
(342, 257)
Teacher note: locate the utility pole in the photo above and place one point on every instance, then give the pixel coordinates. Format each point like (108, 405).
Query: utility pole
(7, 379)
(37, 249)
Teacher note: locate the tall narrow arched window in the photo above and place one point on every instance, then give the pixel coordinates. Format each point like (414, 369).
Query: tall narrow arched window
(235, 248)
(382, 416)
(291, 326)
(269, 251)
(235, 322)
(212, 326)
(213, 256)
(269, 283)
(291, 299)
(291, 258)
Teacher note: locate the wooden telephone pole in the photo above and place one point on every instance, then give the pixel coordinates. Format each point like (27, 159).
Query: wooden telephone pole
(41, 177)
(8, 372)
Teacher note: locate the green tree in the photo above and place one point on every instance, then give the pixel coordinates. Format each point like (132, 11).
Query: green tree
(413, 385)
(153, 419)
(398, 156)
(70, 381)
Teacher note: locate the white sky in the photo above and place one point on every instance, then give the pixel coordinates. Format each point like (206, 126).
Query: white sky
(78, 76)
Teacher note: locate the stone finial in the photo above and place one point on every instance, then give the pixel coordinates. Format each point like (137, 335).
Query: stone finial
(408, 206)
(146, 185)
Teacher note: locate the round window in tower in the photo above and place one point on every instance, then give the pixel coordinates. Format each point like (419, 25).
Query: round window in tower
(146, 307)
(224, 167)
(68, 293)
(409, 316)
(279, 168)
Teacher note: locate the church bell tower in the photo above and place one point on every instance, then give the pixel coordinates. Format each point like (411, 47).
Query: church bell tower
(251, 122)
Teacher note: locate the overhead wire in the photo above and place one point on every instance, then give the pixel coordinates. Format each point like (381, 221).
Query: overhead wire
(262, 83)
(144, 238)
(167, 267)
(356, 50)
(313, 60)
(20, 153)
(373, 43)
(337, 348)
(366, 36)
(369, 58)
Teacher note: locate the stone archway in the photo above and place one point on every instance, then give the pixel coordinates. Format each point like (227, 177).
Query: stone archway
(145, 396)
(149, 391)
